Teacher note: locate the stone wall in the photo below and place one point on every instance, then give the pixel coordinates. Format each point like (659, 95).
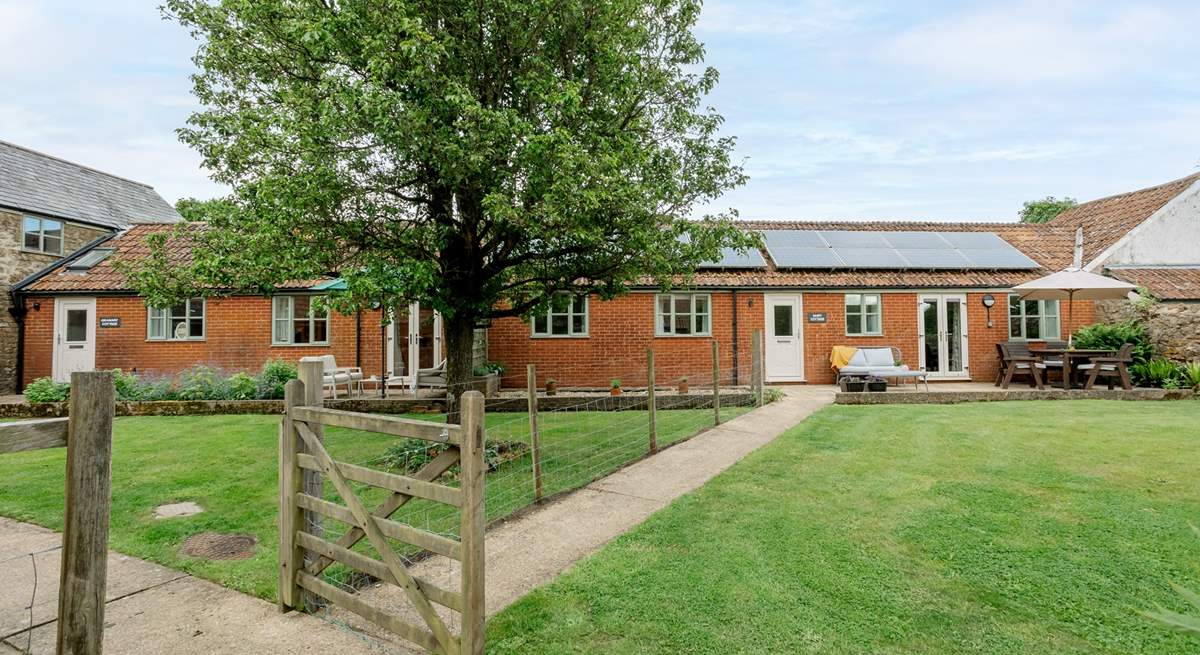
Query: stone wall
(1174, 325)
(16, 264)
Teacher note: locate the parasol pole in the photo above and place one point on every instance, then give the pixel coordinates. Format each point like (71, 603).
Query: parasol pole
(1070, 319)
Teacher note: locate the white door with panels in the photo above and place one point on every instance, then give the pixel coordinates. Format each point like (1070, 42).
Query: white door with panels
(74, 337)
(414, 342)
(942, 332)
(784, 338)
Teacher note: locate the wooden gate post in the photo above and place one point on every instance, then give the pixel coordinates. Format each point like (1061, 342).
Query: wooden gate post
(312, 374)
(291, 556)
(84, 570)
(756, 363)
(651, 404)
(716, 365)
(474, 519)
(535, 441)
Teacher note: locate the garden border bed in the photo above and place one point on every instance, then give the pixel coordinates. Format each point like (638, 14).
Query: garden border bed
(954, 397)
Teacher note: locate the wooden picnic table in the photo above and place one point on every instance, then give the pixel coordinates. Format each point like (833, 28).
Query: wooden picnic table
(1069, 356)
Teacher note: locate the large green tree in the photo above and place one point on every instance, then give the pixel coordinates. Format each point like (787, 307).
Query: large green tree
(1045, 209)
(478, 156)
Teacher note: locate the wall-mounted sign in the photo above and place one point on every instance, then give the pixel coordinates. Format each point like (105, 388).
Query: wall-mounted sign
(818, 317)
(112, 322)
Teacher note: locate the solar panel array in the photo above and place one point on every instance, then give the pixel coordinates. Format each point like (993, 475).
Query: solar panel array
(893, 250)
(731, 258)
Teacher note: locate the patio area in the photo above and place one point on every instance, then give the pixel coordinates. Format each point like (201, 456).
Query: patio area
(941, 393)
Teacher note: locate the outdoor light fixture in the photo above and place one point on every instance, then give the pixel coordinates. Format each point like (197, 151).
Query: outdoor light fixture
(989, 301)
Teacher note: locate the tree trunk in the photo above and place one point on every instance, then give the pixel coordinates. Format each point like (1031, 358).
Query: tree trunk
(460, 347)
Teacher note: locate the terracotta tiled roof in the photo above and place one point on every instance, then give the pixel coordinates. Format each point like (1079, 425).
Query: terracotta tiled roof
(1166, 282)
(1106, 220)
(129, 246)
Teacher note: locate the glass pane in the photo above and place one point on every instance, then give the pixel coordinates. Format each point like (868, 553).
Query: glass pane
(701, 323)
(179, 328)
(1014, 305)
(854, 324)
(196, 307)
(1050, 307)
(300, 331)
(871, 302)
(33, 241)
(580, 304)
(196, 328)
(179, 311)
(664, 304)
(1033, 328)
(157, 326)
(1051, 327)
(665, 322)
(282, 332)
(929, 316)
(540, 324)
(51, 244)
(682, 324)
(31, 224)
(783, 321)
(872, 323)
(425, 338)
(853, 300)
(578, 325)
(77, 325)
(558, 324)
(1031, 308)
(51, 228)
(279, 307)
(300, 306)
(683, 304)
(1014, 327)
(701, 304)
(954, 354)
(320, 331)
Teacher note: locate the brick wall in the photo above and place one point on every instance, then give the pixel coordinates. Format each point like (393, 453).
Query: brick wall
(237, 338)
(620, 330)
(16, 264)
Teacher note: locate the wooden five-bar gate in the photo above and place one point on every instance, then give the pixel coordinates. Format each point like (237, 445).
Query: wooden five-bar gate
(304, 553)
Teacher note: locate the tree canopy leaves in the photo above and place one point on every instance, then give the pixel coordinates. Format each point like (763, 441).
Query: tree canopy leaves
(1044, 210)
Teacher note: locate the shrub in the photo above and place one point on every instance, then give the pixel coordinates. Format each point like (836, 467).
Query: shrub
(275, 373)
(410, 455)
(46, 390)
(200, 382)
(1111, 336)
(1157, 373)
(1190, 372)
(239, 386)
(488, 368)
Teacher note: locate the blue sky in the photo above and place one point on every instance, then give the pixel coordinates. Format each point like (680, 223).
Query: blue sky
(850, 110)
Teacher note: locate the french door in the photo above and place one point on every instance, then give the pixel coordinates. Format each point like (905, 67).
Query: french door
(414, 341)
(942, 325)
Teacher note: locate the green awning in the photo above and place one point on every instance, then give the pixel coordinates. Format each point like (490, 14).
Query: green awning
(332, 285)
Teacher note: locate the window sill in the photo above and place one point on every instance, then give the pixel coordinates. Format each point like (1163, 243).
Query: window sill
(872, 334)
(322, 344)
(683, 336)
(559, 336)
(43, 253)
(191, 340)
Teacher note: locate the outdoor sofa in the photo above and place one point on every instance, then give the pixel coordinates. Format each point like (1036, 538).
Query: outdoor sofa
(881, 363)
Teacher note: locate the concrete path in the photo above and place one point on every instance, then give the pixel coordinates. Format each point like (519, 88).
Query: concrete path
(536, 547)
(151, 609)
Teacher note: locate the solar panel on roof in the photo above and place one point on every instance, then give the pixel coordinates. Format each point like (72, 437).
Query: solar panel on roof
(731, 258)
(829, 249)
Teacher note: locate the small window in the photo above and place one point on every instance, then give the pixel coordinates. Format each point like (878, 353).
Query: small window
(90, 260)
(1032, 319)
(683, 314)
(299, 320)
(569, 319)
(864, 314)
(42, 235)
(182, 322)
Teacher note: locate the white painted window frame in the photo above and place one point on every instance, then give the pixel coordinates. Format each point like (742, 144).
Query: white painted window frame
(164, 316)
(289, 302)
(1042, 315)
(691, 313)
(41, 233)
(570, 312)
(862, 313)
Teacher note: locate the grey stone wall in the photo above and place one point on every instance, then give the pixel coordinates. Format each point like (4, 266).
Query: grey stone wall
(15, 264)
(1174, 326)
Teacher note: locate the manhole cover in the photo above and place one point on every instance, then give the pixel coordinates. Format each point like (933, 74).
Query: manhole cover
(214, 545)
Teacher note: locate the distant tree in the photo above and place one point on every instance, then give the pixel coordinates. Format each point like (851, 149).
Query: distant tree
(194, 210)
(1041, 211)
(480, 157)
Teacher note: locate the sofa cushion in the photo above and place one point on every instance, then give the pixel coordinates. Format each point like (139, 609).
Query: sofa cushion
(858, 359)
(878, 356)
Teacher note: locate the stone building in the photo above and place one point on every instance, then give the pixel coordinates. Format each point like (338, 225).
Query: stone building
(49, 209)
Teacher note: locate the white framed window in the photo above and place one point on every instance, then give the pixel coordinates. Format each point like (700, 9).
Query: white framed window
(683, 315)
(864, 314)
(570, 319)
(182, 322)
(1033, 319)
(299, 321)
(42, 235)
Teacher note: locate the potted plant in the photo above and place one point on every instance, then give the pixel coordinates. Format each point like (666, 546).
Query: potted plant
(683, 385)
(615, 387)
(551, 387)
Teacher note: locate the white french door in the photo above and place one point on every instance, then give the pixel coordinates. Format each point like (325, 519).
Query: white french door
(414, 342)
(942, 331)
(784, 347)
(74, 337)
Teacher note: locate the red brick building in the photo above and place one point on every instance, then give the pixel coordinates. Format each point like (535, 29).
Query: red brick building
(920, 287)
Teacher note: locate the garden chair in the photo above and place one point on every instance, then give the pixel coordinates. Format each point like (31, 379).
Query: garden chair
(432, 377)
(1021, 349)
(1111, 368)
(333, 375)
(1012, 364)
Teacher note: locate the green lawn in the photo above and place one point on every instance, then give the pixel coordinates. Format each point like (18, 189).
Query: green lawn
(1021, 527)
(228, 465)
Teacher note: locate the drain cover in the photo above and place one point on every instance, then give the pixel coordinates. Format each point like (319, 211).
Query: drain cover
(214, 545)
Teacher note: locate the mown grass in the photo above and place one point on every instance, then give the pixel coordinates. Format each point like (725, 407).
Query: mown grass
(228, 465)
(1023, 527)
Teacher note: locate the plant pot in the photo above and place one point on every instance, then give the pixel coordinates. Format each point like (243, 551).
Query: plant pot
(551, 388)
(684, 388)
(616, 391)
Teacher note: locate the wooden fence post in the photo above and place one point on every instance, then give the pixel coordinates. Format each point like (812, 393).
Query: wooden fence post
(312, 374)
(291, 556)
(716, 365)
(84, 570)
(474, 519)
(756, 363)
(535, 441)
(651, 404)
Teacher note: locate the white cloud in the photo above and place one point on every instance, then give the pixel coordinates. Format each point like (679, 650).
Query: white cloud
(1038, 42)
(812, 17)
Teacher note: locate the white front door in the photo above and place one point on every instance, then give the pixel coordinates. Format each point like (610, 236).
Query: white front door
(942, 325)
(414, 341)
(74, 336)
(784, 347)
